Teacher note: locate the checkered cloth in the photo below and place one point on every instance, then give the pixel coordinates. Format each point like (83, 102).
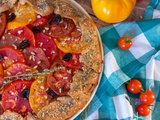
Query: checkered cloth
(142, 61)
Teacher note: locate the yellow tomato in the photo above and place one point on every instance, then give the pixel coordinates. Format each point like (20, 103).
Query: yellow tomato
(38, 97)
(24, 15)
(112, 11)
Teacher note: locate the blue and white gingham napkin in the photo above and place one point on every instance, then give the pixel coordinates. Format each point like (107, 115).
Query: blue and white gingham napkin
(141, 61)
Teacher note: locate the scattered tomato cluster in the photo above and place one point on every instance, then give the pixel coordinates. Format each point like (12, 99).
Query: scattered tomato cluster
(147, 97)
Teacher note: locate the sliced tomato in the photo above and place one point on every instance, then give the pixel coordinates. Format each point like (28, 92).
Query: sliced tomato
(72, 63)
(40, 21)
(11, 99)
(1, 69)
(70, 43)
(10, 56)
(38, 97)
(18, 68)
(10, 40)
(62, 29)
(48, 46)
(59, 81)
(36, 58)
(3, 23)
(24, 33)
(24, 16)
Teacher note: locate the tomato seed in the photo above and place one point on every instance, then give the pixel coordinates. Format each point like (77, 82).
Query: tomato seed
(25, 94)
(67, 57)
(12, 16)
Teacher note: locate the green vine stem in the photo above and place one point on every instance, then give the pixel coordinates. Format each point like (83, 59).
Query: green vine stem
(28, 76)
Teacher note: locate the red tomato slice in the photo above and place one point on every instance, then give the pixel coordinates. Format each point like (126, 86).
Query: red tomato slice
(11, 56)
(3, 23)
(40, 21)
(72, 63)
(48, 46)
(59, 81)
(62, 29)
(11, 99)
(10, 40)
(36, 58)
(17, 68)
(24, 33)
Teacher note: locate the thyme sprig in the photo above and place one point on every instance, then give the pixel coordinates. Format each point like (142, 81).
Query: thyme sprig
(28, 76)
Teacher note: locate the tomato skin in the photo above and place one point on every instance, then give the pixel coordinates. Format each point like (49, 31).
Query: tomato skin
(147, 97)
(13, 91)
(40, 22)
(143, 110)
(112, 11)
(125, 43)
(134, 86)
(3, 23)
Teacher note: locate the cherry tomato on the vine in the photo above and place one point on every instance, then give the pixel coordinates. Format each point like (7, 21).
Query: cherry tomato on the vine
(143, 110)
(125, 43)
(134, 86)
(147, 97)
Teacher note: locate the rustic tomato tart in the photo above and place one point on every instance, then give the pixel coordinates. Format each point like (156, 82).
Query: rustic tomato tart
(50, 59)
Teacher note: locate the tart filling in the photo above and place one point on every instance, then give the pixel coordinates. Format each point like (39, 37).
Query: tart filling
(50, 59)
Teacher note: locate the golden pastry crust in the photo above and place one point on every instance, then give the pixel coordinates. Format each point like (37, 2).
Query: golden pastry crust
(91, 54)
(8, 115)
(85, 80)
(6, 5)
(42, 7)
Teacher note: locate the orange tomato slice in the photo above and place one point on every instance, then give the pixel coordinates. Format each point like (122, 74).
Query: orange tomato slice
(1, 69)
(38, 97)
(24, 16)
(68, 46)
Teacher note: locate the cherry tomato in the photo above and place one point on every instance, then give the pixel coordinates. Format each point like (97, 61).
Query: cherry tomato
(10, 56)
(59, 81)
(147, 97)
(36, 58)
(125, 43)
(72, 63)
(14, 100)
(25, 34)
(40, 21)
(38, 97)
(134, 86)
(143, 110)
(47, 45)
(3, 23)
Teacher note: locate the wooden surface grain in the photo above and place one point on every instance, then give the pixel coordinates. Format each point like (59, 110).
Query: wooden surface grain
(136, 15)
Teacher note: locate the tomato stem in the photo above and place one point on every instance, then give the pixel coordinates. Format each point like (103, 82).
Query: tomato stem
(127, 82)
(127, 41)
(143, 91)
